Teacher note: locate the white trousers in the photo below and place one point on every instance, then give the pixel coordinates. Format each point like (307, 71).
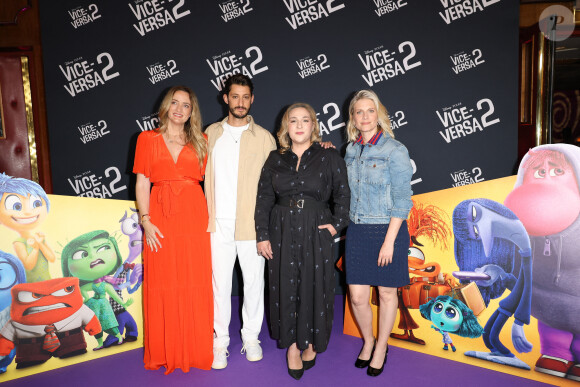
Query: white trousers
(223, 255)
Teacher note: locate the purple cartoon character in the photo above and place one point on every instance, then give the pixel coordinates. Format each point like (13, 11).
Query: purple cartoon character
(132, 274)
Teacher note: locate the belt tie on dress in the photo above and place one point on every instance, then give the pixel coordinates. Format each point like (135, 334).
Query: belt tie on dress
(305, 203)
(169, 189)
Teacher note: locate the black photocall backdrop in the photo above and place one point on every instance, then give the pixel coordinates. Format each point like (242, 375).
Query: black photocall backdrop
(446, 70)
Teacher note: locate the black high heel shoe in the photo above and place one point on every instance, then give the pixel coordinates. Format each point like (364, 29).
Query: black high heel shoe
(296, 374)
(377, 371)
(360, 363)
(308, 364)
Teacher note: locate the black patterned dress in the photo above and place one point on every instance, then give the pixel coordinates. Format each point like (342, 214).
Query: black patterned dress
(301, 274)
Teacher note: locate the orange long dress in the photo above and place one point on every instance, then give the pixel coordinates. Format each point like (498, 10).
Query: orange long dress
(177, 288)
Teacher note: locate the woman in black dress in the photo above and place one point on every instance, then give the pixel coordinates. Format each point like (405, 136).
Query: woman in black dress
(295, 230)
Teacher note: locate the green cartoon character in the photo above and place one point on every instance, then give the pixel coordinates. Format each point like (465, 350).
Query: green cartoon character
(93, 258)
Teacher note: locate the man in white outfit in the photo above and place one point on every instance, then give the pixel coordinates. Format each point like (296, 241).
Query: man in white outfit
(238, 148)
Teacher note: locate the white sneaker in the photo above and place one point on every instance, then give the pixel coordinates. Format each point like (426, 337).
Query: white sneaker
(253, 350)
(220, 358)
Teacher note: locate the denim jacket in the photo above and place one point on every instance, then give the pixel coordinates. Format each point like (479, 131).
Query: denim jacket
(379, 180)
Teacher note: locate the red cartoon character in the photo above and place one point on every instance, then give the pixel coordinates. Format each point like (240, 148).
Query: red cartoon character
(47, 319)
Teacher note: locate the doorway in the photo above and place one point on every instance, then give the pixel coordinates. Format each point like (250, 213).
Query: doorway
(17, 137)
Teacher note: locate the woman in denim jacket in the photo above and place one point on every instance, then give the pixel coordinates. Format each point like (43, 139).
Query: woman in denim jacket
(377, 239)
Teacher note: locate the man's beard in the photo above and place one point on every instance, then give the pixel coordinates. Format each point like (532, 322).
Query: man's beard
(237, 115)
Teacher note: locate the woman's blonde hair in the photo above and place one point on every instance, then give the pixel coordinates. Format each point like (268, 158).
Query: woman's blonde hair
(284, 137)
(193, 135)
(384, 123)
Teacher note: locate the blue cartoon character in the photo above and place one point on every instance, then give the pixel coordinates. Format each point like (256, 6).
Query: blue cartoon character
(93, 258)
(487, 235)
(129, 273)
(450, 315)
(11, 273)
(23, 207)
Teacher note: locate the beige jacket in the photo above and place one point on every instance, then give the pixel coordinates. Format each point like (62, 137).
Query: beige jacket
(256, 144)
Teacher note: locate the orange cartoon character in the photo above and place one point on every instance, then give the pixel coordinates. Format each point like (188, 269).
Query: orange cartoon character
(427, 281)
(47, 319)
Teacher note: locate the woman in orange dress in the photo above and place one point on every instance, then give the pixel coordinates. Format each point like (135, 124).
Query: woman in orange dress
(177, 289)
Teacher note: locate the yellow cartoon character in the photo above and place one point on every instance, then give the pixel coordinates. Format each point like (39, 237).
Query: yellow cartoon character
(23, 207)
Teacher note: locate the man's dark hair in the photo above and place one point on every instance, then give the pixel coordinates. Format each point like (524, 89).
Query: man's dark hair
(238, 79)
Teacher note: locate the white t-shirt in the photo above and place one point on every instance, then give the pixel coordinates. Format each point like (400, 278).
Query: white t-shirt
(225, 160)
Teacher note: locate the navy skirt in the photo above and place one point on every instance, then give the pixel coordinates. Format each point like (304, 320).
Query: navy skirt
(363, 243)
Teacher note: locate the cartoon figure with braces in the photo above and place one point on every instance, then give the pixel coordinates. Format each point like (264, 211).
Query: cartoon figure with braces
(11, 273)
(23, 207)
(130, 274)
(479, 224)
(93, 258)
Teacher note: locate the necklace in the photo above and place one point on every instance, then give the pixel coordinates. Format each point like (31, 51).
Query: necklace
(181, 142)
(232, 136)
